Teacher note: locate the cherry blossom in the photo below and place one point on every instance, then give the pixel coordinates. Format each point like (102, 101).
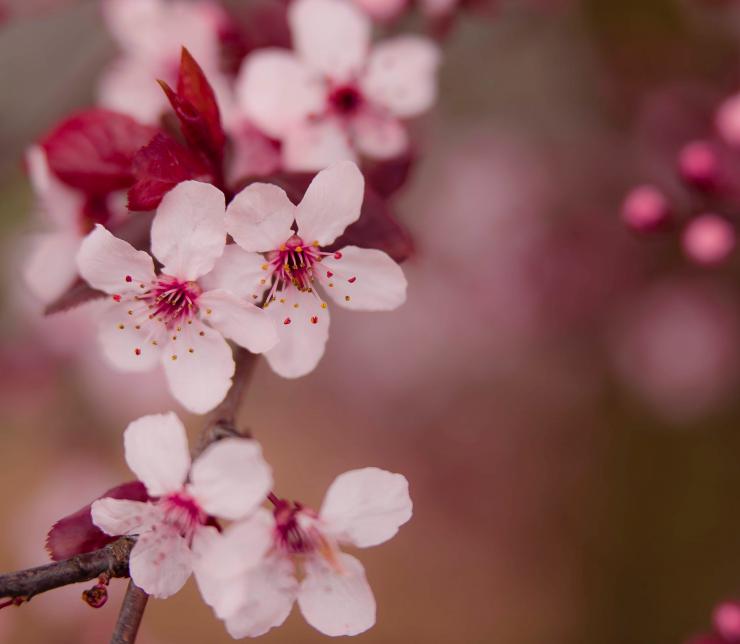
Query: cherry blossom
(362, 508)
(228, 480)
(282, 265)
(160, 317)
(151, 34)
(335, 97)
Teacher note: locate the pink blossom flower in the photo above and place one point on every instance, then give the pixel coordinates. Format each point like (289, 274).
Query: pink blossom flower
(151, 34)
(50, 268)
(382, 10)
(160, 317)
(261, 219)
(362, 508)
(709, 239)
(228, 480)
(335, 98)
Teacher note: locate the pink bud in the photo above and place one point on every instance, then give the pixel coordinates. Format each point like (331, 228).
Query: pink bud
(726, 619)
(708, 239)
(727, 120)
(699, 165)
(645, 209)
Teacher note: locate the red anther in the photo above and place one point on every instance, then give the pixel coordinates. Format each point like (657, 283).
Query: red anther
(116, 298)
(329, 274)
(352, 280)
(338, 255)
(129, 278)
(137, 351)
(314, 319)
(286, 321)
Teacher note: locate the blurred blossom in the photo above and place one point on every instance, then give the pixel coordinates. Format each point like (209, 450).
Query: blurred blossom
(726, 619)
(676, 345)
(646, 209)
(709, 239)
(727, 120)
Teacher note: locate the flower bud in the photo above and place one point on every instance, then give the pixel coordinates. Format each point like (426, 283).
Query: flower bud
(708, 239)
(699, 165)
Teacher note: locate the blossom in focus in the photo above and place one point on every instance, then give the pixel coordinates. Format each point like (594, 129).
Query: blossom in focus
(160, 317)
(287, 262)
(228, 480)
(335, 97)
(151, 34)
(362, 508)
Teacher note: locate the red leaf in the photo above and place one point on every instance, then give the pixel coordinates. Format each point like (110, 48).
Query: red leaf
(377, 226)
(388, 175)
(93, 150)
(76, 533)
(159, 167)
(193, 86)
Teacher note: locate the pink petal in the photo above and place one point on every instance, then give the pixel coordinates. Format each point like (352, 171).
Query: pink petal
(188, 231)
(379, 136)
(50, 266)
(332, 36)
(303, 329)
(331, 203)
(382, 10)
(238, 272)
(402, 75)
(117, 516)
(160, 562)
(276, 90)
(199, 367)
(337, 603)
(222, 559)
(124, 346)
(363, 279)
(243, 322)
(314, 144)
(727, 120)
(366, 507)
(230, 478)
(61, 204)
(130, 89)
(260, 217)
(157, 452)
(266, 595)
(112, 265)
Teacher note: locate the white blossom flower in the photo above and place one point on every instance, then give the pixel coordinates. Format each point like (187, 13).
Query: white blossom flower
(161, 317)
(288, 264)
(362, 508)
(335, 97)
(228, 480)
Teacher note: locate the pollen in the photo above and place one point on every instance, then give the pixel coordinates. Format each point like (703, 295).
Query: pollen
(263, 281)
(264, 267)
(209, 311)
(130, 312)
(314, 319)
(286, 321)
(121, 327)
(299, 249)
(174, 356)
(137, 326)
(129, 278)
(295, 306)
(331, 284)
(191, 350)
(352, 280)
(201, 333)
(116, 298)
(154, 343)
(347, 298)
(323, 305)
(137, 351)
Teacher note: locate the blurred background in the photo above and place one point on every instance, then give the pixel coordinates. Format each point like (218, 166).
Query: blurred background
(561, 394)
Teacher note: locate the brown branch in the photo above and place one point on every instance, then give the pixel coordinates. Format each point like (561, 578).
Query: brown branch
(111, 560)
(129, 619)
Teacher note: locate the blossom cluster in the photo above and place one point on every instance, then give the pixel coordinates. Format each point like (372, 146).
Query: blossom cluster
(225, 190)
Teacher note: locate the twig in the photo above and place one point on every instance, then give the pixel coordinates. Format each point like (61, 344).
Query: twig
(111, 559)
(129, 619)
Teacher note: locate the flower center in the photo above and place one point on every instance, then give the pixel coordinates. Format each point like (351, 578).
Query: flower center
(182, 513)
(171, 301)
(290, 535)
(345, 100)
(293, 263)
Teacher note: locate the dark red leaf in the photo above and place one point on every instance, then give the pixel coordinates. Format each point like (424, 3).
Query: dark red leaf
(377, 226)
(93, 150)
(193, 86)
(389, 175)
(77, 533)
(159, 167)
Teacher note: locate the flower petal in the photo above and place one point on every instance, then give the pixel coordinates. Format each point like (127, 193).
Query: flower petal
(331, 203)
(111, 264)
(303, 329)
(230, 478)
(119, 516)
(199, 366)
(276, 90)
(51, 267)
(244, 323)
(260, 217)
(363, 279)
(332, 36)
(315, 144)
(160, 562)
(157, 452)
(337, 603)
(60, 203)
(125, 346)
(188, 231)
(402, 75)
(127, 87)
(238, 272)
(379, 136)
(366, 507)
(265, 598)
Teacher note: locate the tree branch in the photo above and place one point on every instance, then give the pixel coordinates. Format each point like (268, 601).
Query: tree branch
(111, 560)
(129, 619)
